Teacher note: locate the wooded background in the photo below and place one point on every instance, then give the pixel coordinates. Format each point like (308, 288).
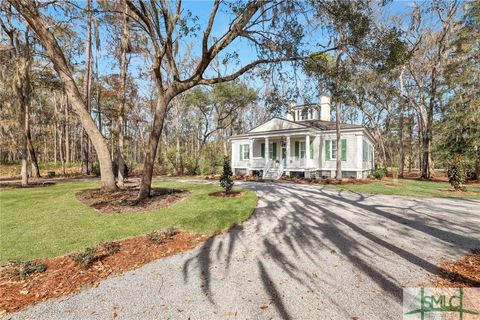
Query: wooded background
(160, 88)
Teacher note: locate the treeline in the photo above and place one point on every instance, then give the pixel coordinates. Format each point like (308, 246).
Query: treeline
(118, 83)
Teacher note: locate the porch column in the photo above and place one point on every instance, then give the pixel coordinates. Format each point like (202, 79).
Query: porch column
(250, 155)
(267, 152)
(287, 159)
(307, 151)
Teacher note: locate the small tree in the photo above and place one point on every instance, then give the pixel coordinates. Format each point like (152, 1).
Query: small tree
(456, 173)
(226, 180)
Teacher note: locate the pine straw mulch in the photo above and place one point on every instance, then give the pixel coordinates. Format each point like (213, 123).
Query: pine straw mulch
(64, 277)
(459, 192)
(125, 200)
(464, 272)
(344, 181)
(393, 184)
(31, 184)
(232, 194)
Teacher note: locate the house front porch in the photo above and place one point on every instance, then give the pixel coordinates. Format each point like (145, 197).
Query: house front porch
(281, 154)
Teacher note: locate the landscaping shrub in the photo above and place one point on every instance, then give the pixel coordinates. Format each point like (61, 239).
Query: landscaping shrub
(110, 248)
(24, 269)
(226, 180)
(379, 173)
(84, 258)
(456, 173)
(31, 267)
(170, 232)
(160, 237)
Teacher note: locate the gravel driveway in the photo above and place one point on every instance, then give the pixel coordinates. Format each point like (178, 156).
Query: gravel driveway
(307, 253)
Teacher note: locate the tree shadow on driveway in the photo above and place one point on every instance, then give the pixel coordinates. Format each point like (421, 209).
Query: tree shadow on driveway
(297, 230)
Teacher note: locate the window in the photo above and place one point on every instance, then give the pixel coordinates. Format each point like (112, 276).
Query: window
(367, 151)
(300, 150)
(304, 114)
(303, 150)
(272, 150)
(331, 151)
(244, 151)
(334, 150)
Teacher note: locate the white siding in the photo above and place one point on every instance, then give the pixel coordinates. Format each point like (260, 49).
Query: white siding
(352, 162)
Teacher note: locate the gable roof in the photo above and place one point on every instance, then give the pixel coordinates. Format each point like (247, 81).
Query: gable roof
(275, 124)
(284, 125)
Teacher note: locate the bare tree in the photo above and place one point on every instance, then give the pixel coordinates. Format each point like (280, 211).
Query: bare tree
(87, 84)
(123, 97)
(20, 53)
(163, 23)
(38, 22)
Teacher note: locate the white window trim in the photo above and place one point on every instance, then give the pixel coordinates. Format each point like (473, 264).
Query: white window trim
(333, 142)
(304, 143)
(246, 147)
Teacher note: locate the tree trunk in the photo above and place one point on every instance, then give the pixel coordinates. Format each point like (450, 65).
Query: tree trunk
(23, 146)
(54, 52)
(400, 127)
(67, 132)
(55, 129)
(31, 148)
(427, 141)
(339, 149)
(121, 111)
(87, 88)
(477, 165)
(157, 127)
(61, 131)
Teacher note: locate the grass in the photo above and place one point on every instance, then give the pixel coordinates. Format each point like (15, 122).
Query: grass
(49, 221)
(415, 188)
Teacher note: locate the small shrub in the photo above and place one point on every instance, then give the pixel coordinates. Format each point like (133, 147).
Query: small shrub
(31, 267)
(170, 232)
(226, 180)
(160, 237)
(456, 174)
(379, 173)
(84, 258)
(110, 248)
(156, 237)
(16, 269)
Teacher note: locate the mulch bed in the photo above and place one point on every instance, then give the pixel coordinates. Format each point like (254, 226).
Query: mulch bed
(464, 272)
(233, 194)
(459, 192)
(31, 184)
(64, 277)
(126, 200)
(395, 185)
(345, 181)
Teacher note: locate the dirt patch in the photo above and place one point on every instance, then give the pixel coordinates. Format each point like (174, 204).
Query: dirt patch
(63, 276)
(459, 192)
(233, 194)
(31, 184)
(464, 272)
(395, 185)
(126, 200)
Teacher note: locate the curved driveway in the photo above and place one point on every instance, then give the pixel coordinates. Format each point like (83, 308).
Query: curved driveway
(307, 253)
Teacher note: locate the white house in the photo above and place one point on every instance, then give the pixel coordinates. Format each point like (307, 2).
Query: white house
(304, 144)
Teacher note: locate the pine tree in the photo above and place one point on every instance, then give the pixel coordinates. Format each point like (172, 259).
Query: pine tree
(226, 180)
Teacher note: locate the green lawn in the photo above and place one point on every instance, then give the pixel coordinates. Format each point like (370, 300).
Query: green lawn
(50, 221)
(412, 188)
